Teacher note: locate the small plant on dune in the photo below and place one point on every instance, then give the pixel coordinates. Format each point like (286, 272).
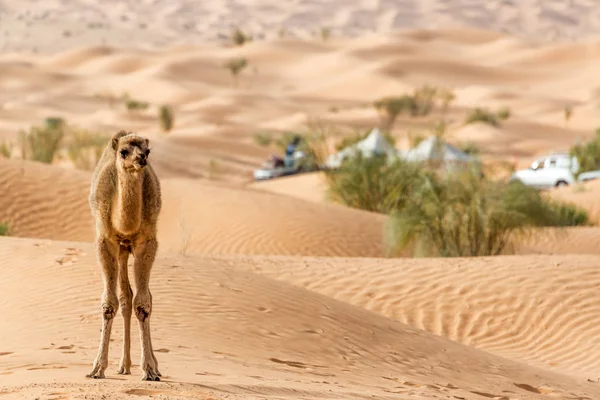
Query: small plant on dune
(166, 118)
(503, 114)
(235, 66)
(325, 33)
(4, 229)
(239, 38)
(136, 105)
(465, 215)
(5, 150)
(567, 214)
(389, 108)
(132, 104)
(482, 115)
(424, 99)
(420, 103)
(214, 169)
(263, 139)
(446, 96)
(487, 117)
(41, 143)
(588, 153)
(282, 32)
(85, 148)
(567, 114)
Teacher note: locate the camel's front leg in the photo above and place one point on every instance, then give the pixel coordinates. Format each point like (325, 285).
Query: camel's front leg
(107, 256)
(144, 254)
(125, 302)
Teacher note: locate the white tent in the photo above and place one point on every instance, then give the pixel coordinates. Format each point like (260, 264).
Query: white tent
(434, 148)
(374, 144)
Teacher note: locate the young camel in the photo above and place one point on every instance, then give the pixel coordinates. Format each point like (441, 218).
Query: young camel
(125, 200)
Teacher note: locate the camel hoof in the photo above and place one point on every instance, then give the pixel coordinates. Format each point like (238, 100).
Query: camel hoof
(150, 376)
(96, 375)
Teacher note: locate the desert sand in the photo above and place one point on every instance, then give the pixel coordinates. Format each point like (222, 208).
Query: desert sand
(268, 290)
(224, 331)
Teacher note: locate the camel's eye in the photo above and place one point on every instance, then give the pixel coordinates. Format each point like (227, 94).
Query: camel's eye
(147, 153)
(124, 153)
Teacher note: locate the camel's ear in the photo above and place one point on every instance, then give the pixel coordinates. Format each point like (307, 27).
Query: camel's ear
(116, 137)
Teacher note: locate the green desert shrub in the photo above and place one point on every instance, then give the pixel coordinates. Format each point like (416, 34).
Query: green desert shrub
(487, 117)
(424, 99)
(263, 139)
(588, 153)
(420, 102)
(434, 212)
(235, 66)
(374, 183)
(566, 214)
(482, 115)
(389, 108)
(41, 143)
(4, 229)
(239, 38)
(135, 105)
(465, 215)
(503, 114)
(85, 148)
(5, 150)
(166, 118)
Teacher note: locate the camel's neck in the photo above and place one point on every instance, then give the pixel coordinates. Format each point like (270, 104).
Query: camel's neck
(127, 211)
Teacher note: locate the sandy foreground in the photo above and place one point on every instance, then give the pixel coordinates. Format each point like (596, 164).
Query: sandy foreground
(228, 328)
(267, 290)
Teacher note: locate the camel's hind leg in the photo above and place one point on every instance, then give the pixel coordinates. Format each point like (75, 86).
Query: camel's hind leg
(125, 302)
(107, 256)
(144, 253)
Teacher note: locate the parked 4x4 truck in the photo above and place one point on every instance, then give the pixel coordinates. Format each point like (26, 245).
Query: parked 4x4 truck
(556, 169)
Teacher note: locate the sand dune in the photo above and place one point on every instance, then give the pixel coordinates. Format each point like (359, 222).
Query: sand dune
(205, 218)
(287, 216)
(291, 82)
(542, 310)
(237, 335)
(41, 201)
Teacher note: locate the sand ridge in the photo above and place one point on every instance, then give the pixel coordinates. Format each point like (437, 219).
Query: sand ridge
(238, 335)
(197, 217)
(542, 310)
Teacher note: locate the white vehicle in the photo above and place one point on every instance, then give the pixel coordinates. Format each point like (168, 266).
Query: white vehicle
(556, 169)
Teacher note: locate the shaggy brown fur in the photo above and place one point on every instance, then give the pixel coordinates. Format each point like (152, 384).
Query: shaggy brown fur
(125, 200)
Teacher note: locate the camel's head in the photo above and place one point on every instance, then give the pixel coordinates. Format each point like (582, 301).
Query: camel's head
(131, 151)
